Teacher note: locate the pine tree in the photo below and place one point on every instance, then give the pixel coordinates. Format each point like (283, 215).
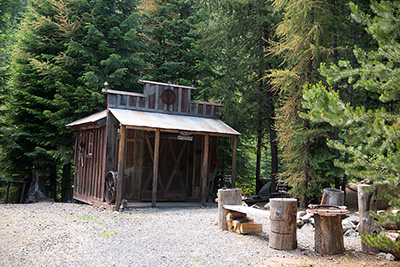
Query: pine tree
(310, 32)
(236, 36)
(170, 29)
(66, 50)
(373, 136)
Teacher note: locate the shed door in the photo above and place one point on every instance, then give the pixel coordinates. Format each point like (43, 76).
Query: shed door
(174, 179)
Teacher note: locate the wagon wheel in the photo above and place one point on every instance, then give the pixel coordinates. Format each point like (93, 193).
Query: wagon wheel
(110, 187)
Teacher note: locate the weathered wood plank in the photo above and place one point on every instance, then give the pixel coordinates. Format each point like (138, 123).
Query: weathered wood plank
(204, 182)
(155, 167)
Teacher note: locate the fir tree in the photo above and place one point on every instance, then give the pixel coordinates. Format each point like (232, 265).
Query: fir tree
(66, 50)
(310, 32)
(373, 136)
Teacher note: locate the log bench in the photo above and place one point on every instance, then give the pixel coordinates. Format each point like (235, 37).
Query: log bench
(232, 216)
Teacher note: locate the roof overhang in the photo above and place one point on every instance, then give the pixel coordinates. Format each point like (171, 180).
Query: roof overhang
(172, 123)
(151, 121)
(93, 121)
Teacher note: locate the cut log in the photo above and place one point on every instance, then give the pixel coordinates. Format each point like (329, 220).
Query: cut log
(332, 196)
(366, 202)
(328, 235)
(241, 224)
(283, 229)
(227, 196)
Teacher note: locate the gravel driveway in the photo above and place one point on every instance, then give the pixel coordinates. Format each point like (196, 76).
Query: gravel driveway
(65, 234)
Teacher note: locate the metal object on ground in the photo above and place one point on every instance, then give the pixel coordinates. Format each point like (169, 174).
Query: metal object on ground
(110, 188)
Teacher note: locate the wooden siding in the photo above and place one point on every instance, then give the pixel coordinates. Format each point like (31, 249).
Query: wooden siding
(151, 100)
(89, 167)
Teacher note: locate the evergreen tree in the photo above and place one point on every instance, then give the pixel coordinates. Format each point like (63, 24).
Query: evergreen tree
(310, 32)
(66, 50)
(170, 27)
(373, 136)
(236, 36)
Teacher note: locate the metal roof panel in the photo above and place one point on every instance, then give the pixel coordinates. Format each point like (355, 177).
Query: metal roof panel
(166, 121)
(90, 119)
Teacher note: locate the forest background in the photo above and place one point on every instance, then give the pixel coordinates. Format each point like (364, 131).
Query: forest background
(313, 86)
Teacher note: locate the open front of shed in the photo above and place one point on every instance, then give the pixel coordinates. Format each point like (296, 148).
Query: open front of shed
(156, 146)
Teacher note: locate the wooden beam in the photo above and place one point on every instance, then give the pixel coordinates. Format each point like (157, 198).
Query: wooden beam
(121, 167)
(155, 167)
(204, 183)
(234, 157)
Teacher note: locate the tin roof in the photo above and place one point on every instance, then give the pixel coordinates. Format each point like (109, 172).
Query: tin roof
(163, 121)
(90, 119)
(167, 122)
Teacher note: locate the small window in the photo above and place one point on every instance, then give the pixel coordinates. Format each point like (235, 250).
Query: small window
(90, 144)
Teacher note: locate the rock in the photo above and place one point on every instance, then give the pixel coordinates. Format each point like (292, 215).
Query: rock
(381, 255)
(301, 213)
(306, 218)
(267, 206)
(299, 223)
(347, 225)
(311, 220)
(255, 206)
(307, 227)
(357, 213)
(351, 233)
(390, 257)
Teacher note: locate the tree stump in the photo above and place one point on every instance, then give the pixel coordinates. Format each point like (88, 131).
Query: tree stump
(332, 196)
(366, 202)
(328, 234)
(283, 229)
(228, 197)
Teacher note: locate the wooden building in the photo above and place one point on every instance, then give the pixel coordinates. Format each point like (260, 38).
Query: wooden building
(158, 145)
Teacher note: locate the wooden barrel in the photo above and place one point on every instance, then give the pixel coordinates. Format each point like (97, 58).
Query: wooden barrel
(227, 196)
(332, 196)
(282, 229)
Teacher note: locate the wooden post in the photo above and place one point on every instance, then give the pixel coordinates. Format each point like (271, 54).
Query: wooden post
(121, 166)
(328, 235)
(283, 228)
(204, 182)
(7, 191)
(155, 167)
(234, 157)
(366, 202)
(332, 196)
(228, 197)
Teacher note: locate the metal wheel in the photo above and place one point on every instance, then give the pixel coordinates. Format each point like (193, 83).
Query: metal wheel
(110, 187)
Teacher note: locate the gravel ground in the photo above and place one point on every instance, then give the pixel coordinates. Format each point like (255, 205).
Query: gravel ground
(65, 234)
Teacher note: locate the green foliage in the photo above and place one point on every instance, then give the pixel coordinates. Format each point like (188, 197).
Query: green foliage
(380, 241)
(373, 134)
(65, 51)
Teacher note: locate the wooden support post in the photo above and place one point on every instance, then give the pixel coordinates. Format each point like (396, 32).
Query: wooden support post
(121, 166)
(155, 168)
(234, 157)
(283, 227)
(328, 235)
(366, 202)
(227, 197)
(204, 182)
(332, 196)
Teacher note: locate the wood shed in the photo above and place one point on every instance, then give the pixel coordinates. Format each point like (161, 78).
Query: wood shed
(158, 145)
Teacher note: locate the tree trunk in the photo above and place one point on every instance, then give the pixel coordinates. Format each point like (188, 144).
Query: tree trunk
(66, 183)
(328, 235)
(228, 197)
(333, 196)
(53, 183)
(283, 228)
(366, 202)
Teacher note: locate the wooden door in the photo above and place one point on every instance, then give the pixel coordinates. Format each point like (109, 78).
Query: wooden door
(174, 174)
